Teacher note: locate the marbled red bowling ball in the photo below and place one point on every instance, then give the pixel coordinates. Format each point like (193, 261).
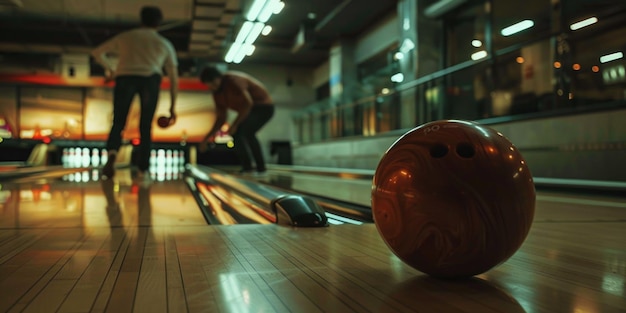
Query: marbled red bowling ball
(453, 198)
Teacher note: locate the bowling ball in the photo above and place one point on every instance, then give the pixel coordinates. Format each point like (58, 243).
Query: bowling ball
(453, 198)
(164, 121)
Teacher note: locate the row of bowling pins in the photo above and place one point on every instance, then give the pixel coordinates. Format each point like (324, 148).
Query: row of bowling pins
(86, 157)
(167, 157)
(83, 157)
(166, 164)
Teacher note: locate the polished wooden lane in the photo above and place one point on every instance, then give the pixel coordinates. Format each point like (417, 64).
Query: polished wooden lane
(93, 247)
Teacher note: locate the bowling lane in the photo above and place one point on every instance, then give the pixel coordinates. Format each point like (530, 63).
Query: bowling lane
(76, 245)
(80, 200)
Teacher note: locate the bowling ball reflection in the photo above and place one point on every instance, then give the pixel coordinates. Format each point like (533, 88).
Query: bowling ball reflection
(468, 295)
(453, 198)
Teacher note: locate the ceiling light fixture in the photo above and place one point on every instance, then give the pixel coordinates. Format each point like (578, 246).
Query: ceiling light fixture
(259, 13)
(517, 27)
(611, 57)
(397, 78)
(479, 55)
(266, 30)
(583, 23)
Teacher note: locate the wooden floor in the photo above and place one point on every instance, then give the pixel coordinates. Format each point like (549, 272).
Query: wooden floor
(94, 247)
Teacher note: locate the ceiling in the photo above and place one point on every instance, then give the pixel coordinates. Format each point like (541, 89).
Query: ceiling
(199, 29)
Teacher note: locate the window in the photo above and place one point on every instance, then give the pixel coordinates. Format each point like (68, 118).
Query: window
(517, 22)
(465, 33)
(466, 93)
(593, 68)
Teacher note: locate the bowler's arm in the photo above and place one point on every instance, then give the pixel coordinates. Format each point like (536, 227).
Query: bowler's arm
(101, 57)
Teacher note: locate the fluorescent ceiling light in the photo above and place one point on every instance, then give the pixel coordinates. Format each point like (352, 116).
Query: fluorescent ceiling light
(479, 55)
(250, 50)
(279, 7)
(255, 32)
(244, 31)
(517, 27)
(584, 23)
(266, 30)
(243, 51)
(268, 10)
(477, 43)
(611, 57)
(259, 13)
(255, 9)
(230, 55)
(397, 78)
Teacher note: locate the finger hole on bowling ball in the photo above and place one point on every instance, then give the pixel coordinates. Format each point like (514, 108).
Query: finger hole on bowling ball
(465, 150)
(438, 151)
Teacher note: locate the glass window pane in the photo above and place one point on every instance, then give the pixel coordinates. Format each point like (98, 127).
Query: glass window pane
(466, 93)
(593, 65)
(369, 119)
(316, 128)
(305, 134)
(388, 113)
(352, 120)
(524, 80)
(432, 99)
(466, 34)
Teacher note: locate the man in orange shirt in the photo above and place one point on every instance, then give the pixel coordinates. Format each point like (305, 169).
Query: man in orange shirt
(248, 97)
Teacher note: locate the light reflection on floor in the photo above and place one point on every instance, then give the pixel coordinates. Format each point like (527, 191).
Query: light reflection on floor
(159, 172)
(81, 201)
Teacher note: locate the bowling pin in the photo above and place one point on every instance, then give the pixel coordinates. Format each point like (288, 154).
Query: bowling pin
(64, 157)
(78, 157)
(86, 160)
(104, 157)
(70, 157)
(168, 157)
(95, 157)
(175, 158)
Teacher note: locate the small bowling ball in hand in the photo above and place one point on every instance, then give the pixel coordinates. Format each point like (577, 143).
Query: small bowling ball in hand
(164, 121)
(453, 198)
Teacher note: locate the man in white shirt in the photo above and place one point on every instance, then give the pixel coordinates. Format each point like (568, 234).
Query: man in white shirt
(142, 54)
